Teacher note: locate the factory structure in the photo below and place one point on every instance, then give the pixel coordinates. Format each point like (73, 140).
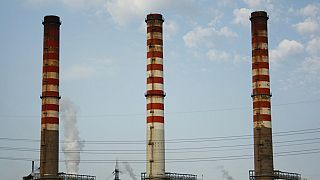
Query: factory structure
(155, 94)
(155, 98)
(49, 144)
(155, 168)
(261, 97)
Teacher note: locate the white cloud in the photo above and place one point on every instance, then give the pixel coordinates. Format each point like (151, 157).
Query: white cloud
(309, 74)
(311, 66)
(170, 28)
(241, 58)
(241, 16)
(79, 4)
(260, 5)
(313, 47)
(124, 11)
(74, 4)
(196, 36)
(121, 11)
(217, 16)
(226, 32)
(200, 35)
(215, 55)
(77, 72)
(308, 26)
(224, 56)
(310, 10)
(285, 49)
(253, 3)
(92, 68)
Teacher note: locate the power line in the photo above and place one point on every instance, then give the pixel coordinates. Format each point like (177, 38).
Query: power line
(172, 112)
(185, 140)
(184, 160)
(174, 150)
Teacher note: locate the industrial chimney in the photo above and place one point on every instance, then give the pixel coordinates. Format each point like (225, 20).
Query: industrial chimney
(263, 153)
(155, 99)
(49, 149)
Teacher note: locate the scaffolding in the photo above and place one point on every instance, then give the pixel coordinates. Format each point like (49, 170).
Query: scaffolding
(172, 176)
(278, 175)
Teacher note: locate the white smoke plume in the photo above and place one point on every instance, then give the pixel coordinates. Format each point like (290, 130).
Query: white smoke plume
(225, 173)
(72, 143)
(129, 170)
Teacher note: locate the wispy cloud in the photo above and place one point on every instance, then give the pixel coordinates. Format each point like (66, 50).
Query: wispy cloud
(225, 56)
(87, 70)
(285, 49)
(201, 35)
(253, 3)
(310, 67)
(125, 11)
(310, 10)
(216, 55)
(241, 16)
(79, 71)
(313, 47)
(170, 28)
(72, 4)
(197, 36)
(260, 4)
(308, 26)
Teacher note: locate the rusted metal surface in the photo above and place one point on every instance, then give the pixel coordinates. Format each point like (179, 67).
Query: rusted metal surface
(155, 98)
(49, 148)
(263, 152)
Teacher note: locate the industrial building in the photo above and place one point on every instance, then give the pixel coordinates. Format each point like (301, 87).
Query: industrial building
(61, 176)
(155, 140)
(173, 176)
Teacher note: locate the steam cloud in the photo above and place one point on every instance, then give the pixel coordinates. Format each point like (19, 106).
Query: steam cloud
(225, 173)
(72, 143)
(129, 170)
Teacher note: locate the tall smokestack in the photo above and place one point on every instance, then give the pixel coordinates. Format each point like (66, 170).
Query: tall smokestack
(49, 150)
(155, 98)
(263, 153)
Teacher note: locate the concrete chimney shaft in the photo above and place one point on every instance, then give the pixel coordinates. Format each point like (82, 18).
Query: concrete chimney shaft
(155, 98)
(49, 148)
(263, 153)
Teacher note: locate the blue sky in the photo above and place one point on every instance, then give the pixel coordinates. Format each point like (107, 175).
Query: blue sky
(207, 71)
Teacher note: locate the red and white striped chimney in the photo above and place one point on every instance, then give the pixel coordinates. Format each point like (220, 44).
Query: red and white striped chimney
(155, 98)
(49, 150)
(263, 153)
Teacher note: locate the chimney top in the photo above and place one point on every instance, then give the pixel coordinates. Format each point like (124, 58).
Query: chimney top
(51, 19)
